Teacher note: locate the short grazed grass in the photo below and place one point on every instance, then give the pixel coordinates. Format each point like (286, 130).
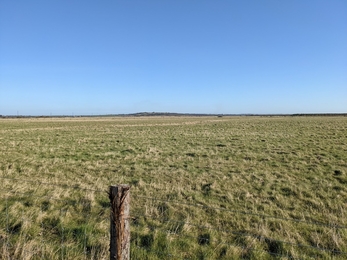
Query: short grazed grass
(202, 187)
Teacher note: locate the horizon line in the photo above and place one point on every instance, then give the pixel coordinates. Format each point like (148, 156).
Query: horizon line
(143, 114)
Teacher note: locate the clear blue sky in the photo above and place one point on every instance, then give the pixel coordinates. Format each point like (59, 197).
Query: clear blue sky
(226, 56)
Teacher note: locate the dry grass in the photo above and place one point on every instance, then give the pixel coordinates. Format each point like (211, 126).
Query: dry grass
(285, 167)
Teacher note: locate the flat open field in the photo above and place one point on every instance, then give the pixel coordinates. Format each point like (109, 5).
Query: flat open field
(201, 187)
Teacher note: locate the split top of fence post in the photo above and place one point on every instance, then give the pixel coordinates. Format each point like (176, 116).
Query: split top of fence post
(120, 222)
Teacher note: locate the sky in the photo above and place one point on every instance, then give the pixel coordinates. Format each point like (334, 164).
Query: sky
(72, 57)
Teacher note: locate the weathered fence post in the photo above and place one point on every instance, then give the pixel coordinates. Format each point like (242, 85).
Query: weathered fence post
(120, 222)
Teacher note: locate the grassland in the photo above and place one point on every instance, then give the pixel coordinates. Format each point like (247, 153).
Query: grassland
(202, 187)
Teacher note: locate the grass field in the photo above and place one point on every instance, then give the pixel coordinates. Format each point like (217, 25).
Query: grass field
(201, 187)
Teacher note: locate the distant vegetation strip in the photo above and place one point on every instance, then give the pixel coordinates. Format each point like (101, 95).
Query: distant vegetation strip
(148, 114)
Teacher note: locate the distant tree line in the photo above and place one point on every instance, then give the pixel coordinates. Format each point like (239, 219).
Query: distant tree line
(323, 114)
(142, 114)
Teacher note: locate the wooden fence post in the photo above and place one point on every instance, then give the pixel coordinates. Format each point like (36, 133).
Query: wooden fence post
(120, 222)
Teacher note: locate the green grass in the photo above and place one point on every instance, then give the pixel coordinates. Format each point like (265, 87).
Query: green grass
(285, 167)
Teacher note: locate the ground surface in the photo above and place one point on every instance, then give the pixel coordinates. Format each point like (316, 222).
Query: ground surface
(202, 187)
